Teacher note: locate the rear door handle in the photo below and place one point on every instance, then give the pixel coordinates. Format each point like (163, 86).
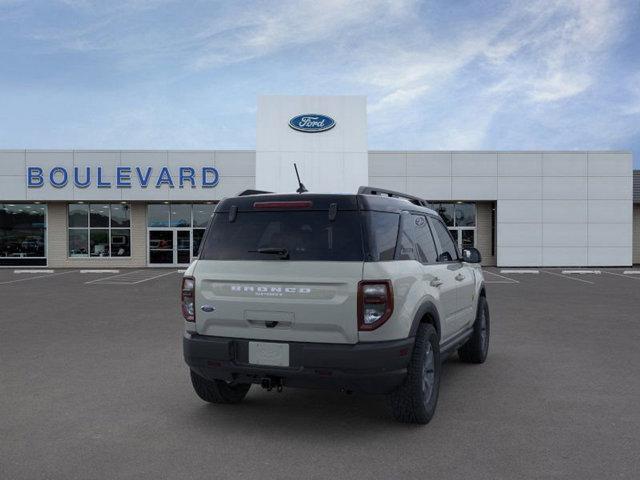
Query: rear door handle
(459, 277)
(436, 282)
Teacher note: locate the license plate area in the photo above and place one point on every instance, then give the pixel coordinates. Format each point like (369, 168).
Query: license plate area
(269, 353)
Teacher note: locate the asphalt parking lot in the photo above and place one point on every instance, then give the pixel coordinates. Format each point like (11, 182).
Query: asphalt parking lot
(93, 386)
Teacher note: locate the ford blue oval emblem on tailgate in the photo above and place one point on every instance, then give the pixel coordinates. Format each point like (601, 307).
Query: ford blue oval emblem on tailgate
(207, 308)
(312, 123)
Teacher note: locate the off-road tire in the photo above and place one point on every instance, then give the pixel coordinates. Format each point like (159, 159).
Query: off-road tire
(218, 391)
(412, 402)
(477, 347)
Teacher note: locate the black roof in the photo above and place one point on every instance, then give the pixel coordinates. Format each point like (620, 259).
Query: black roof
(636, 186)
(322, 201)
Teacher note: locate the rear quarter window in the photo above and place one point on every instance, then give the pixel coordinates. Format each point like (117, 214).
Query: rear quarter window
(382, 229)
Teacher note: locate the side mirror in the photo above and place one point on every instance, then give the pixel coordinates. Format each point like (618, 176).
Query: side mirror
(471, 255)
(444, 257)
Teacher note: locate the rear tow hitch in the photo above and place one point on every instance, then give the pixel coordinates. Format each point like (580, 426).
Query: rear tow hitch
(269, 383)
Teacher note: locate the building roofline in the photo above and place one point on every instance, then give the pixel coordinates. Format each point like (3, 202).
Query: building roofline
(248, 150)
(502, 151)
(111, 150)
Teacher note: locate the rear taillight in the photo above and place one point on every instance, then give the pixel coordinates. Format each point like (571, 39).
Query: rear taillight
(375, 303)
(187, 298)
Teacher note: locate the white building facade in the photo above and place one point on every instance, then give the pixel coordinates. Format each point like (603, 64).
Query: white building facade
(79, 208)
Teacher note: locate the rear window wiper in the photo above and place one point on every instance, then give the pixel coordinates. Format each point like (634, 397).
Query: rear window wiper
(282, 252)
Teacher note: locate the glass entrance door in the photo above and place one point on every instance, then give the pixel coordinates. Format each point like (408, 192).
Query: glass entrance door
(464, 237)
(169, 247)
(183, 247)
(161, 247)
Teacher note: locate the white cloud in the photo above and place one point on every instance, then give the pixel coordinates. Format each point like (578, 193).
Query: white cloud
(631, 93)
(534, 53)
(434, 79)
(251, 34)
(399, 98)
(559, 86)
(225, 33)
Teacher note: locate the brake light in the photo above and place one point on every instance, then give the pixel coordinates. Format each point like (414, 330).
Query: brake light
(187, 298)
(375, 303)
(292, 204)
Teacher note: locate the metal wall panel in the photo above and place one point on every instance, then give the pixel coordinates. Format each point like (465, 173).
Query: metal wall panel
(520, 164)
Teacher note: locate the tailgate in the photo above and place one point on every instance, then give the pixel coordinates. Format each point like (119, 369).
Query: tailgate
(297, 301)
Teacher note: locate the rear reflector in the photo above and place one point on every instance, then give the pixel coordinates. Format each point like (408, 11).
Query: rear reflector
(292, 204)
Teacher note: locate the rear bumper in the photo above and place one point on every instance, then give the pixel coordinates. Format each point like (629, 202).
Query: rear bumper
(377, 367)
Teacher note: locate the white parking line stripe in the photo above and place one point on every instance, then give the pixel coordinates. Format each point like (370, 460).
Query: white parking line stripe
(623, 276)
(39, 276)
(99, 271)
(567, 277)
(520, 271)
(33, 271)
(631, 272)
(501, 276)
(581, 272)
(499, 281)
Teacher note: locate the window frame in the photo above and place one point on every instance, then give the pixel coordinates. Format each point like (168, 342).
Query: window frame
(407, 232)
(108, 228)
(475, 215)
(434, 205)
(436, 238)
(367, 232)
(431, 235)
(192, 228)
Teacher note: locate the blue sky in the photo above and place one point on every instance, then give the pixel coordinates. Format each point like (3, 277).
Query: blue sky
(438, 75)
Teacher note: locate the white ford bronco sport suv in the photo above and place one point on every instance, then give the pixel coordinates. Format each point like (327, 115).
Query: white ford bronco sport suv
(364, 293)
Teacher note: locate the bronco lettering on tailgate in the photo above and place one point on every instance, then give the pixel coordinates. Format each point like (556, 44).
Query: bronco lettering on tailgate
(269, 291)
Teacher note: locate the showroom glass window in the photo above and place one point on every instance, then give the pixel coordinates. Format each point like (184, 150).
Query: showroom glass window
(99, 230)
(460, 219)
(23, 229)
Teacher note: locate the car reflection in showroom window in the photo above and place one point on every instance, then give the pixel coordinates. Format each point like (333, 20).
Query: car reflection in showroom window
(119, 245)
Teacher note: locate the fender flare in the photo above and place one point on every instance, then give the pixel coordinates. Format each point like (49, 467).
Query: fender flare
(429, 308)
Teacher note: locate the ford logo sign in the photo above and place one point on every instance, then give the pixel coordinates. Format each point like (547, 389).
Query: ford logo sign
(312, 123)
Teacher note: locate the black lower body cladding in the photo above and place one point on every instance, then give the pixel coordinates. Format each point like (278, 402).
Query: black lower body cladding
(376, 367)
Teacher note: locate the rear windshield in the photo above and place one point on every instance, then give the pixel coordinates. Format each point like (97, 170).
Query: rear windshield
(303, 235)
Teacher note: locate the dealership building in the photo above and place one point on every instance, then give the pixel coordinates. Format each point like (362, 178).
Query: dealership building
(139, 208)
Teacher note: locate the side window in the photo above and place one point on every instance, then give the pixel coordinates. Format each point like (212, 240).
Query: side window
(383, 234)
(447, 251)
(425, 246)
(405, 248)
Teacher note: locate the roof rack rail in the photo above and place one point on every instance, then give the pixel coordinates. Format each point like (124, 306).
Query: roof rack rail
(390, 193)
(250, 191)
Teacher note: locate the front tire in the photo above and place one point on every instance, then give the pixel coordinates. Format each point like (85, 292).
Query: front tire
(218, 391)
(416, 399)
(477, 347)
